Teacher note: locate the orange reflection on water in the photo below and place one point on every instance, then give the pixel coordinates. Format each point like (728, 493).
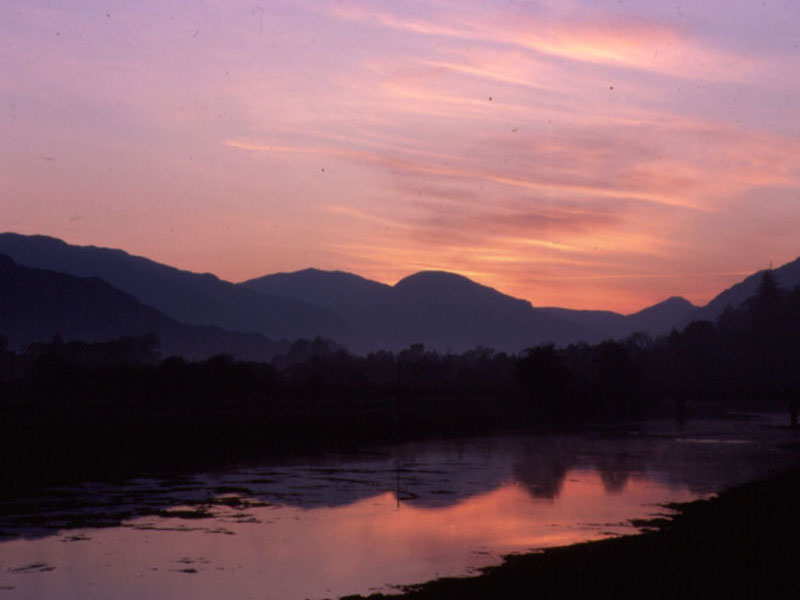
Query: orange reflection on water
(289, 553)
(504, 520)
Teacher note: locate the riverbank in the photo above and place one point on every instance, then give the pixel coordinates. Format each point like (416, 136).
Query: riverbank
(743, 543)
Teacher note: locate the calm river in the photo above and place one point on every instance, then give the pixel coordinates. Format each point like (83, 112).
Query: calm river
(366, 522)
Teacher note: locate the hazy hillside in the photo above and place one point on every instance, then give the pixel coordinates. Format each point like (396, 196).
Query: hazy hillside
(35, 304)
(187, 297)
(595, 325)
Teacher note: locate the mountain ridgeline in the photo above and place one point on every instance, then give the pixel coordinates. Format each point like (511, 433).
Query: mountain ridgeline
(191, 298)
(440, 310)
(786, 276)
(443, 311)
(37, 304)
(446, 311)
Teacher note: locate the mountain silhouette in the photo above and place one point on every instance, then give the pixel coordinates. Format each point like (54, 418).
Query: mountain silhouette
(36, 304)
(446, 310)
(453, 310)
(350, 296)
(191, 298)
(787, 276)
(362, 303)
(660, 318)
(441, 310)
(654, 320)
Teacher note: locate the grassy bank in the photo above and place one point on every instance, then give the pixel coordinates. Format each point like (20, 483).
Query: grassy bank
(744, 543)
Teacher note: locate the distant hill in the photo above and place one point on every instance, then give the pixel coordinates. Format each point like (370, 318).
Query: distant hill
(654, 320)
(441, 310)
(457, 312)
(787, 276)
(660, 318)
(36, 304)
(352, 297)
(188, 297)
(445, 310)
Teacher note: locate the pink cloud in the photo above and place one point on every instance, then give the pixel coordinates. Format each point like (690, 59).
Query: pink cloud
(637, 43)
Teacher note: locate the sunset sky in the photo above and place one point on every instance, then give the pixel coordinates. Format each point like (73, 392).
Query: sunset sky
(579, 153)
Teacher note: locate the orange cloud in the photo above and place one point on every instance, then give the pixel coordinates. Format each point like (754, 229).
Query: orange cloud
(549, 218)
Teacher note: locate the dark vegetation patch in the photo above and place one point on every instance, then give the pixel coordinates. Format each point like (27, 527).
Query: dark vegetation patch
(221, 531)
(76, 538)
(70, 508)
(185, 514)
(38, 567)
(232, 489)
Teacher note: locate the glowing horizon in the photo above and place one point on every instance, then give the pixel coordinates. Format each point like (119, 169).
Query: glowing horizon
(591, 155)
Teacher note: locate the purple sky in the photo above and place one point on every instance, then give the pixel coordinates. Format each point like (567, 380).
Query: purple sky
(588, 154)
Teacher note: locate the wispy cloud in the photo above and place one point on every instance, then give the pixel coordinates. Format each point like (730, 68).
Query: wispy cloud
(645, 45)
(548, 183)
(572, 152)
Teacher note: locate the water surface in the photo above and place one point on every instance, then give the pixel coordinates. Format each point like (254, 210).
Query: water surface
(369, 521)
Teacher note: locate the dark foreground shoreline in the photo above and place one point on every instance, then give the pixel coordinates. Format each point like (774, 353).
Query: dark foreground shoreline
(743, 543)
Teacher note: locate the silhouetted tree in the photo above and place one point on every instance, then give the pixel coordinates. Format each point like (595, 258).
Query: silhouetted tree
(616, 385)
(766, 306)
(545, 383)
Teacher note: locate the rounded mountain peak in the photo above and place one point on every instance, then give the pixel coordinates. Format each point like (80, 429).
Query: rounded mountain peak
(436, 279)
(450, 288)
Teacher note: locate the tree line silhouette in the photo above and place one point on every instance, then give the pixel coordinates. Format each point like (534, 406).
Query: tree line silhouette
(121, 394)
